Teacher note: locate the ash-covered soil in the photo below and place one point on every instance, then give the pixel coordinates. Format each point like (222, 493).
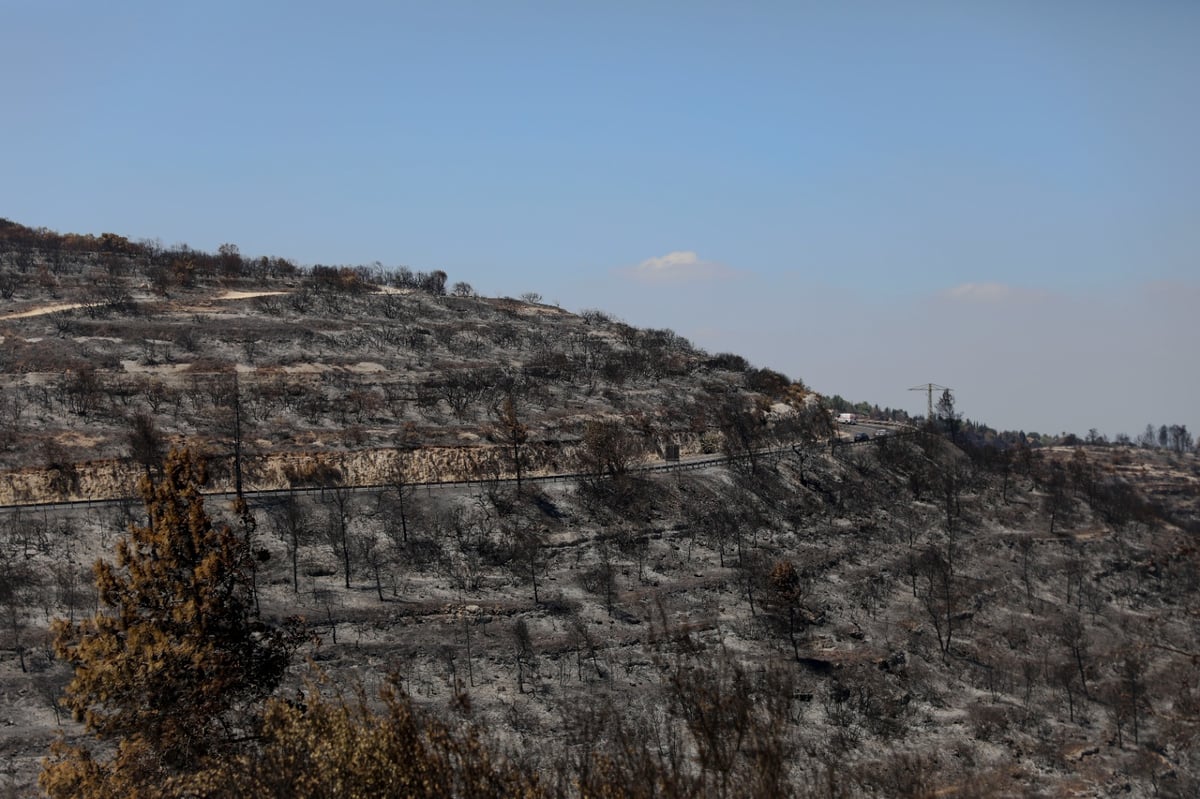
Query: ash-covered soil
(940, 638)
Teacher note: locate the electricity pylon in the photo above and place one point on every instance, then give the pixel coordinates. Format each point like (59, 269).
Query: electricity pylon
(930, 387)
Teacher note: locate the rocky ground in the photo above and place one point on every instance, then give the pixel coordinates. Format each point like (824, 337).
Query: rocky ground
(974, 653)
(900, 618)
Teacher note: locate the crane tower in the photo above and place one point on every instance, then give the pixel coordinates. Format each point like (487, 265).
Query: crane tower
(929, 388)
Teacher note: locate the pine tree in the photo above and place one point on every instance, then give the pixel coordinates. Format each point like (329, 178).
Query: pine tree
(788, 590)
(949, 416)
(175, 665)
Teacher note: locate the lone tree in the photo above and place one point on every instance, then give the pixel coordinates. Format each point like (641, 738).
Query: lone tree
(145, 443)
(513, 432)
(174, 666)
(608, 449)
(788, 590)
(19, 586)
(946, 412)
(743, 430)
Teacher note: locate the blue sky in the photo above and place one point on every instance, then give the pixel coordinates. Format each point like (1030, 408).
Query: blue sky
(997, 196)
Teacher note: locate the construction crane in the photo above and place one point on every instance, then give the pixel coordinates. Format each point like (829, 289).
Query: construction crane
(930, 388)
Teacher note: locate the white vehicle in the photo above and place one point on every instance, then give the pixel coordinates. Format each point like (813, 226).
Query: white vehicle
(847, 418)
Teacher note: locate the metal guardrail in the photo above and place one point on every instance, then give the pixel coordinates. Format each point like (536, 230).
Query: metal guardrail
(427, 485)
(481, 482)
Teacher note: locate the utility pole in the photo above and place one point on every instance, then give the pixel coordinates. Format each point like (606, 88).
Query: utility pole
(930, 388)
(237, 438)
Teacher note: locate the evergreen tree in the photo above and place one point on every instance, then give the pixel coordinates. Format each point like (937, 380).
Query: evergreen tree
(787, 592)
(174, 667)
(950, 417)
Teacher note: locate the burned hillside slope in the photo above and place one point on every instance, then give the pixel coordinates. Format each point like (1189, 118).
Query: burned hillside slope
(901, 618)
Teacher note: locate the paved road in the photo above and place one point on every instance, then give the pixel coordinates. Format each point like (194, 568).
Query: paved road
(845, 437)
(847, 432)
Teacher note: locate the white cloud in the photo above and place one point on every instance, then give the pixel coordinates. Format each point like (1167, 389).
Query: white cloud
(989, 292)
(677, 267)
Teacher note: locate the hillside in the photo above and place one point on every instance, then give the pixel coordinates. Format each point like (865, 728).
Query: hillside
(905, 617)
(336, 365)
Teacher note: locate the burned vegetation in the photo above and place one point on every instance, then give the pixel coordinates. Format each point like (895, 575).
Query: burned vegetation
(770, 615)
